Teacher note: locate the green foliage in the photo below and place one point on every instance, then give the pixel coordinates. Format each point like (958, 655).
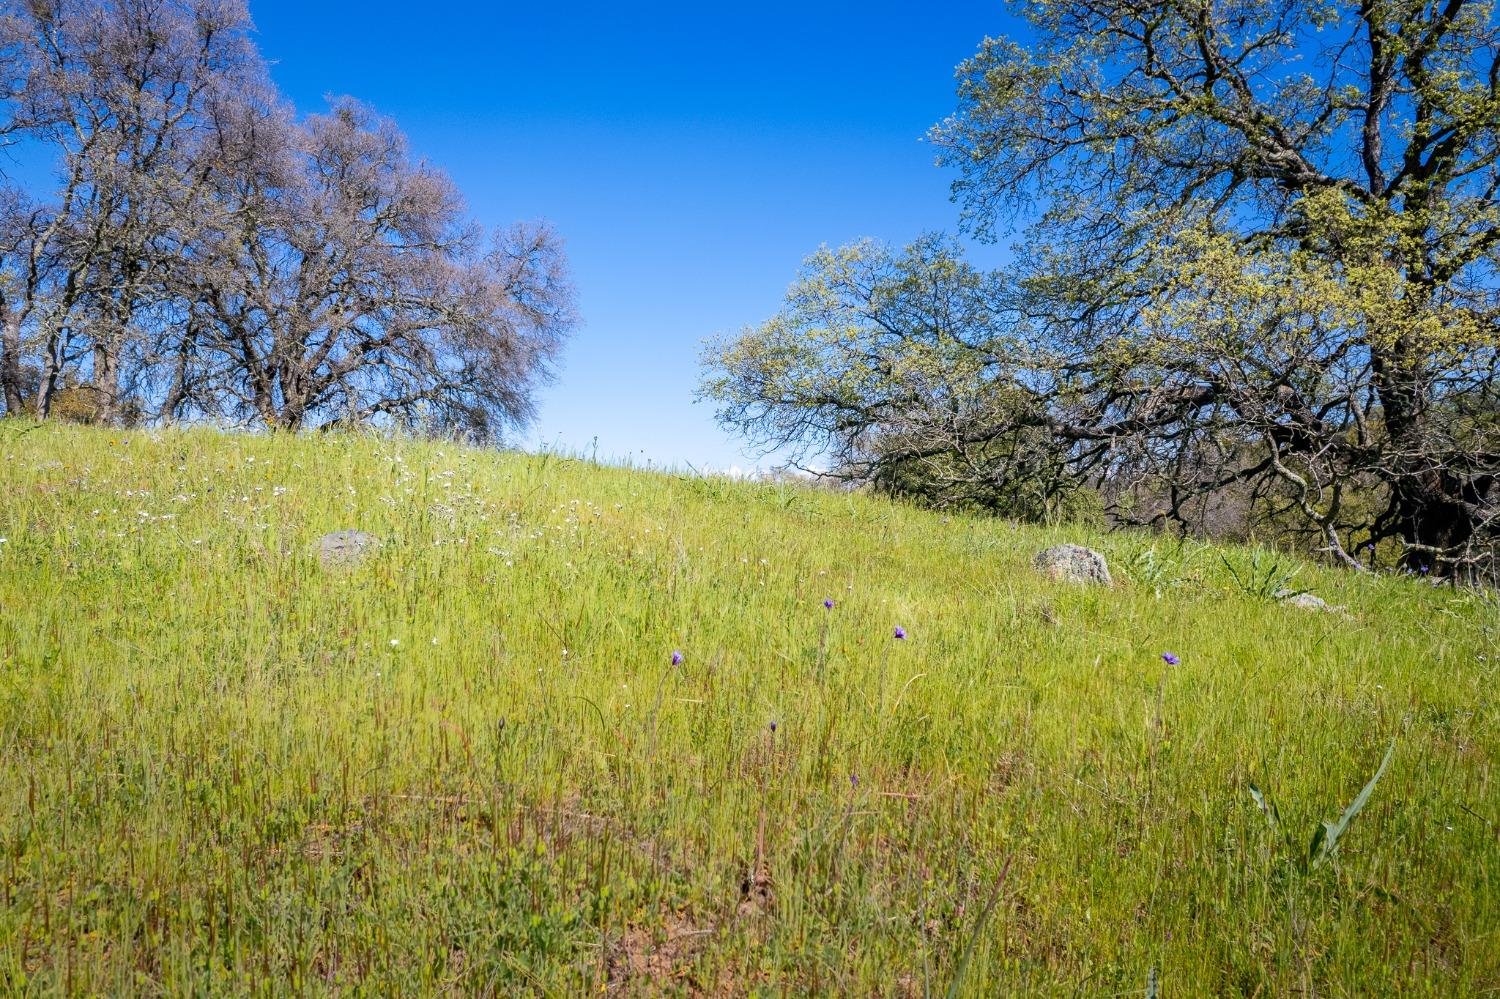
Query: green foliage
(468, 765)
(1265, 574)
(899, 369)
(1324, 843)
(1163, 565)
(1262, 241)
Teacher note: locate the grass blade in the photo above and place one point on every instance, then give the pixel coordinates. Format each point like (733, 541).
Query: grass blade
(984, 917)
(1266, 807)
(1326, 840)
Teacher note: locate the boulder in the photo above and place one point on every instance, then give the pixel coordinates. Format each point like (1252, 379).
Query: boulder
(1306, 601)
(1073, 564)
(345, 548)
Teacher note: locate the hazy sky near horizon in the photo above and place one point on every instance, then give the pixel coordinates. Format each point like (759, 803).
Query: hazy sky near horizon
(690, 156)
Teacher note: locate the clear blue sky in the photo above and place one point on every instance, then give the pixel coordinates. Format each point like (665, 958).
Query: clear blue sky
(690, 155)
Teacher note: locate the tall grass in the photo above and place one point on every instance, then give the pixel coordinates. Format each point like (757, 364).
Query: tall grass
(470, 766)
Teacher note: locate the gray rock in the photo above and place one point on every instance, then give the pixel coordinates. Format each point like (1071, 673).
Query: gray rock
(345, 548)
(1074, 564)
(1306, 601)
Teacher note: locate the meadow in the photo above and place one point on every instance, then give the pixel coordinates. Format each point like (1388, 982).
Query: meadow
(577, 729)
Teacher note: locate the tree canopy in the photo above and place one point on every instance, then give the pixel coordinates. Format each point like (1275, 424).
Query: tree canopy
(1259, 253)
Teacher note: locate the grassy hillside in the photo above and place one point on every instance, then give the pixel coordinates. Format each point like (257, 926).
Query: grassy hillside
(470, 766)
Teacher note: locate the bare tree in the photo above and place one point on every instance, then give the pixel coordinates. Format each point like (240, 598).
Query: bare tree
(22, 272)
(204, 253)
(116, 91)
(344, 284)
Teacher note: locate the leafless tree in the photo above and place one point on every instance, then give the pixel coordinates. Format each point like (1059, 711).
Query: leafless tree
(116, 91)
(344, 284)
(205, 253)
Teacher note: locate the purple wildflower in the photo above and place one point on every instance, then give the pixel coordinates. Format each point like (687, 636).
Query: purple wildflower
(854, 780)
(676, 658)
(900, 631)
(828, 604)
(1170, 658)
(773, 724)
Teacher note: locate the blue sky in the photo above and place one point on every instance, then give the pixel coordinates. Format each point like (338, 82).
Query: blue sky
(690, 155)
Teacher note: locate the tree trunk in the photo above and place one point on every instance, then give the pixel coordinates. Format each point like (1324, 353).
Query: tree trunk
(1429, 499)
(106, 383)
(1434, 522)
(51, 375)
(10, 366)
(288, 418)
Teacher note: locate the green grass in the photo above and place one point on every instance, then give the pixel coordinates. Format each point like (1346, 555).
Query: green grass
(469, 766)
